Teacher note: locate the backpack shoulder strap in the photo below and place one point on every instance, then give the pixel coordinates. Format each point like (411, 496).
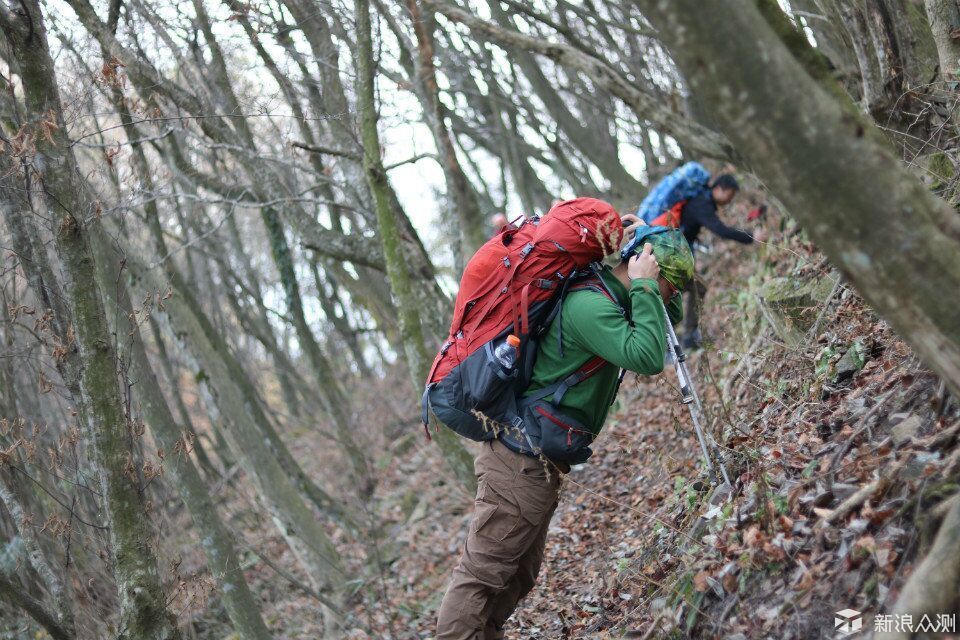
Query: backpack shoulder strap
(591, 281)
(594, 282)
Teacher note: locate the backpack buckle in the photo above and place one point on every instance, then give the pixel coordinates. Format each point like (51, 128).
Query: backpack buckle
(526, 250)
(543, 283)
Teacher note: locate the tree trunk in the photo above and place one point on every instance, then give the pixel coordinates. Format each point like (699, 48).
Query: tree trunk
(143, 610)
(407, 308)
(215, 540)
(11, 490)
(825, 164)
(934, 585)
(891, 54)
(14, 591)
(173, 382)
(830, 36)
(40, 278)
(463, 198)
(944, 18)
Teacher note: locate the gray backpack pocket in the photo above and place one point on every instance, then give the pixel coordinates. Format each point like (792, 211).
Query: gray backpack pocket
(556, 435)
(477, 398)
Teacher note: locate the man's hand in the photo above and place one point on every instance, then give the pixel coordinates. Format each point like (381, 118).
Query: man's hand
(631, 228)
(644, 265)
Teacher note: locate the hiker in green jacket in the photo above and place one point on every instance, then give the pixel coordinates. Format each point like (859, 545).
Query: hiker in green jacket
(518, 492)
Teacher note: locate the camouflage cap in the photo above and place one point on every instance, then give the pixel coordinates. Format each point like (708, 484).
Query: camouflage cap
(671, 250)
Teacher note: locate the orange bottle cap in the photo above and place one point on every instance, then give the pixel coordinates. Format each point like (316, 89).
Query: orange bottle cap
(513, 340)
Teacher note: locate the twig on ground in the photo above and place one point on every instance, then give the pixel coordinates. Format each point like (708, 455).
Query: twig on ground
(864, 493)
(283, 573)
(865, 423)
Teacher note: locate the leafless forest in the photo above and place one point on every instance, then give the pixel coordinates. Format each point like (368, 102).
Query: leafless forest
(230, 240)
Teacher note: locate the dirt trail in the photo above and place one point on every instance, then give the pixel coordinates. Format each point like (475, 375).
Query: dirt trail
(608, 510)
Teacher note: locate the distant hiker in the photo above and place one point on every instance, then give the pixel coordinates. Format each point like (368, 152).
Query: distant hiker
(700, 212)
(681, 184)
(688, 199)
(610, 319)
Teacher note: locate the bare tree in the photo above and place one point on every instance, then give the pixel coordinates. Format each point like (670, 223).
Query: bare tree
(944, 17)
(90, 359)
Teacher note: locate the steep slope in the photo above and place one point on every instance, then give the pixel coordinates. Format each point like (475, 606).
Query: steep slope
(839, 439)
(842, 448)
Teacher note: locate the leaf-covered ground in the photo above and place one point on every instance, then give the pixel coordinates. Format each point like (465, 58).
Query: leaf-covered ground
(840, 446)
(838, 440)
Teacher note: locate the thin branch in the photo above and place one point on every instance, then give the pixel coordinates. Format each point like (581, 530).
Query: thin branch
(416, 158)
(118, 144)
(312, 148)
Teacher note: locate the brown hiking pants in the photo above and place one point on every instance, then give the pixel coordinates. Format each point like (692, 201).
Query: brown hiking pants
(516, 497)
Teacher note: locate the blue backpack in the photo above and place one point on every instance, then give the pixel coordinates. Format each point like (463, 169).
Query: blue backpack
(683, 183)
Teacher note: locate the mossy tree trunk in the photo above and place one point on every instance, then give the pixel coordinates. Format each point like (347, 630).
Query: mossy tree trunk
(143, 608)
(215, 540)
(944, 18)
(15, 492)
(897, 243)
(418, 359)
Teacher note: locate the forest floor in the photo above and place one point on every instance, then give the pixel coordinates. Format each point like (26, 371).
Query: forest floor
(840, 449)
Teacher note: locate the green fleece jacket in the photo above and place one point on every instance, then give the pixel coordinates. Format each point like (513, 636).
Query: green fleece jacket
(592, 325)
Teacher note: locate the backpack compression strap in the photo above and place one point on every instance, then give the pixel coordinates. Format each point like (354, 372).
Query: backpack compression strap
(560, 388)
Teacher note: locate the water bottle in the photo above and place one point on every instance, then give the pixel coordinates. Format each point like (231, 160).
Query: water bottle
(508, 352)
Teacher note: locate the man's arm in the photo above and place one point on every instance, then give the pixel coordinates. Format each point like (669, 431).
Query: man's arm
(701, 212)
(595, 324)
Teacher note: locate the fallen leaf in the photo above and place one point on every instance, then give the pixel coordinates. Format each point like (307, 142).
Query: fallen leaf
(700, 583)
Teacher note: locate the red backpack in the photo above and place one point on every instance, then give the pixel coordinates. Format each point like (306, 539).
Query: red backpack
(670, 217)
(513, 285)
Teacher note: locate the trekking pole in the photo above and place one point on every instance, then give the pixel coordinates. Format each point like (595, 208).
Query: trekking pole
(689, 397)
